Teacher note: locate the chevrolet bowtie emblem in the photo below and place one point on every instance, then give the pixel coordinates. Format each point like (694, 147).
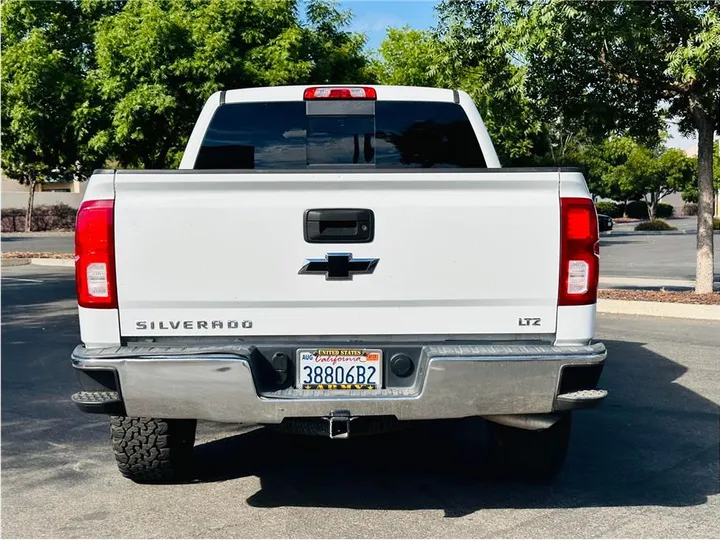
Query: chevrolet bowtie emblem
(339, 266)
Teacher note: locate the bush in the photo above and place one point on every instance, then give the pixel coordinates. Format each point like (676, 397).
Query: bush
(636, 210)
(609, 208)
(654, 225)
(45, 218)
(664, 211)
(689, 209)
(13, 219)
(716, 224)
(639, 210)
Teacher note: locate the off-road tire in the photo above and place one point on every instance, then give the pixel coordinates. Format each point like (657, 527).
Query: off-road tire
(529, 456)
(152, 450)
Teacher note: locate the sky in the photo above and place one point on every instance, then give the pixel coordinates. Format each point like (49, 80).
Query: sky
(372, 17)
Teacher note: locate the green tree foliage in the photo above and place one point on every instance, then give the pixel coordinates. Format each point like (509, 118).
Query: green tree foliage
(622, 169)
(159, 60)
(441, 58)
(657, 174)
(46, 54)
(604, 166)
(408, 58)
(617, 66)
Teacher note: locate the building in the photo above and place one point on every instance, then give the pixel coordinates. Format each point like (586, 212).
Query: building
(15, 194)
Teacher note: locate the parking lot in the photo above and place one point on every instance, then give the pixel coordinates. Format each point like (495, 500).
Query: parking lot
(644, 464)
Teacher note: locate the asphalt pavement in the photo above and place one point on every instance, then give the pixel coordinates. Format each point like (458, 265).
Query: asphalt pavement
(50, 242)
(644, 464)
(652, 256)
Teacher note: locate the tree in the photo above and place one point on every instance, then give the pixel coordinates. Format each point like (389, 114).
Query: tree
(657, 176)
(409, 57)
(159, 60)
(620, 65)
(690, 192)
(604, 167)
(46, 52)
(439, 58)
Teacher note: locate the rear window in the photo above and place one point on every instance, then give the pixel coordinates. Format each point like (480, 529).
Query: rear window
(384, 134)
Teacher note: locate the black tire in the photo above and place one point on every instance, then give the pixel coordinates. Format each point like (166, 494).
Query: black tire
(151, 450)
(529, 456)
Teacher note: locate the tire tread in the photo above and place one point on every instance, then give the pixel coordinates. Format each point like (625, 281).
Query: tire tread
(152, 450)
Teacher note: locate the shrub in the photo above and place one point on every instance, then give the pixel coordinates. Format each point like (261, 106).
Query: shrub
(636, 210)
(654, 225)
(45, 218)
(13, 219)
(639, 210)
(716, 224)
(664, 211)
(689, 209)
(609, 208)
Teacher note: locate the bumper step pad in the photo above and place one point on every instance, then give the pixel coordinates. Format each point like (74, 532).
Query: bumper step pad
(580, 399)
(99, 402)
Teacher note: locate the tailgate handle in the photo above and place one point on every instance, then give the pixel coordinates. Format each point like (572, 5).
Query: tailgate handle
(339, 226)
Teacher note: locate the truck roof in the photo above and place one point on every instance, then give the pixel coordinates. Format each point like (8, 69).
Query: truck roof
(384, 93)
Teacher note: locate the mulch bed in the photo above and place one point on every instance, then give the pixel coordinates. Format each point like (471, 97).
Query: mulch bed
(676, 297)
(35, 255)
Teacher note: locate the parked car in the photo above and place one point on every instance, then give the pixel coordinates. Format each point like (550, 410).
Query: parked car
(605, 223)
(327, 261)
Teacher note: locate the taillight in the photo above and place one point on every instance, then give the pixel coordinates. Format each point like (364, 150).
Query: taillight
(345, 92)
(95, 255)
(579, 252)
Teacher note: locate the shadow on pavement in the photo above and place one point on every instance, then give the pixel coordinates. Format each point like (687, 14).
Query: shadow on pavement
(653, 442)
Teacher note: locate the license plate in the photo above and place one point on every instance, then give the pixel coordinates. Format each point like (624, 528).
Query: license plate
(339, 369)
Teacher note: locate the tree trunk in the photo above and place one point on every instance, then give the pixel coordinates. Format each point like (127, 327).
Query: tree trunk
(704, 272)
(651, 206)
(31, 201)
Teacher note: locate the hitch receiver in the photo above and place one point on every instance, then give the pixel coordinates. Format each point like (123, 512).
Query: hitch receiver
(339, 424)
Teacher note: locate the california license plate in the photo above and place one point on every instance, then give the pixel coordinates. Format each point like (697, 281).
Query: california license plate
(339, 369)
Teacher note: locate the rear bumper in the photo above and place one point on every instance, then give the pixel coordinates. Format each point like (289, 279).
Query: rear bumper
(453, 381)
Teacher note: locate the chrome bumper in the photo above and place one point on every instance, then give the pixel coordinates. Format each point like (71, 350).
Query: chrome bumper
(454, 381)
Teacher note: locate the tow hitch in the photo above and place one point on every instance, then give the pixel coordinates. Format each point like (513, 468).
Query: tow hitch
(339, 424)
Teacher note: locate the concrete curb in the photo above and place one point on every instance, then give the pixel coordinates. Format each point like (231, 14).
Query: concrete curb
(61, 263)
(611, 234)
(64, 263)
(609, 282)
(659, 309)
(36, 234)
(15, 262)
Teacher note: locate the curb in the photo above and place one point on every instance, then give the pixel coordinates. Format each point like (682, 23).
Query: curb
(659, 309)
(681, 232)
(38, 234)
(15, 262)
(611, 282)
(64, 263)
(61, 263)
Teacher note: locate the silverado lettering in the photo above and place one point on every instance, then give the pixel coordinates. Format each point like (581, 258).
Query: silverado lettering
(191, 325)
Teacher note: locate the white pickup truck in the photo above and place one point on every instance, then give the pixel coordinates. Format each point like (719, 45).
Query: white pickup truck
(337, 260)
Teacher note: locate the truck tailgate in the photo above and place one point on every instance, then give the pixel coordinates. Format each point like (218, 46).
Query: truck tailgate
(219, 253)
